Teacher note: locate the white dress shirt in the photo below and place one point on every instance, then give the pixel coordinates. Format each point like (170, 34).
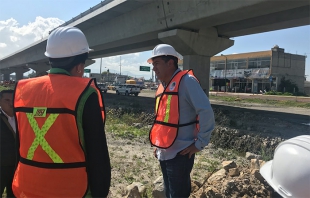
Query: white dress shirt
(192, 102)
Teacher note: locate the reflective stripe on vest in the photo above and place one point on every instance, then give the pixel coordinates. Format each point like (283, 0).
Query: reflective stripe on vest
(168, 109)
(165, 129)
(39, 139)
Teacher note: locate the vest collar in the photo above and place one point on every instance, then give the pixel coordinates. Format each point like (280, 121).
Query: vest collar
(176, 71)
(59, 71)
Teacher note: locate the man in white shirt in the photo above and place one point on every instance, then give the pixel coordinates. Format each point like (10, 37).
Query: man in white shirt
(180, 101)
(7, 141)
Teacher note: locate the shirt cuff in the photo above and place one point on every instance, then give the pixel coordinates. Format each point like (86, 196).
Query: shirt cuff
(199, 145)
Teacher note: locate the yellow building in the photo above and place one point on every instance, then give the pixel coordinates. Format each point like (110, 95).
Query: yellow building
(255, 71)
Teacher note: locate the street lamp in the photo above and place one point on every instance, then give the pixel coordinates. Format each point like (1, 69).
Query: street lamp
(100, 69)
(108, 80)
(236, 78)
(225, 70)
(120, 65)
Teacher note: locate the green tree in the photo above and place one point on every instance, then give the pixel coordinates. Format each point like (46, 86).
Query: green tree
(288, 85)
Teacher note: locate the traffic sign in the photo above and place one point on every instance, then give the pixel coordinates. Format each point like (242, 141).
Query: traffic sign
(86, 70)
(145, 68)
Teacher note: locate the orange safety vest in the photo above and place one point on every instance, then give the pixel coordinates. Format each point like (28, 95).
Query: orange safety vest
(52, 157)
(166, 125)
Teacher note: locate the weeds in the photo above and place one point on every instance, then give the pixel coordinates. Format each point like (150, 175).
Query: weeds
(267, 153)
(285, 103)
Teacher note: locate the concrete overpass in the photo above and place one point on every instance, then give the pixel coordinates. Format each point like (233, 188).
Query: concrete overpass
(198, 29)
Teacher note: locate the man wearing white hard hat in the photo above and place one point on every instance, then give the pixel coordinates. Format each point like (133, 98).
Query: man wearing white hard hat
(289, 171)
(60, 126)
(184, 120)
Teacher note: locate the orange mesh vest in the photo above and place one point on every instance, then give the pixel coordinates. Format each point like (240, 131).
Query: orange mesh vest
(52, 159)
(166, 125)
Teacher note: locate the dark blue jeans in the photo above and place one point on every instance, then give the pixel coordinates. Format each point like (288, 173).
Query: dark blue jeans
(176, 174)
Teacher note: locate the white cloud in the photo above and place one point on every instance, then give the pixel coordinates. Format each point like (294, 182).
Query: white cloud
(14, 37)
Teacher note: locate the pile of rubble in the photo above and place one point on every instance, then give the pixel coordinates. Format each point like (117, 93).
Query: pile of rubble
(234, 181)
(230, 181)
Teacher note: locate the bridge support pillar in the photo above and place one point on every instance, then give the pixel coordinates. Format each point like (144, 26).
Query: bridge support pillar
(40, 69)
(197, 49)
(89, 62)
(201, 67)
(6, 73)
(19, 75)
(19, 72)
(6, 76)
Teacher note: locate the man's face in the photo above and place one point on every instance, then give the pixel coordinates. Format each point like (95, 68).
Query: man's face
(161, 69)
(6, 103)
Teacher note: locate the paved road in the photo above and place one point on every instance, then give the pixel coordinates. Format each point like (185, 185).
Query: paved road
(292, 114)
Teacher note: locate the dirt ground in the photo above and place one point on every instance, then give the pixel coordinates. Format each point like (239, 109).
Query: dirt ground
(133, 161)
(242, 129)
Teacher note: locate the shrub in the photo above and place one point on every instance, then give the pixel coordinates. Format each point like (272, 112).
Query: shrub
(288, 86)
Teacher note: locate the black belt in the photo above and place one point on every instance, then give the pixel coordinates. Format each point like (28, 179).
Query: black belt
(52, 165)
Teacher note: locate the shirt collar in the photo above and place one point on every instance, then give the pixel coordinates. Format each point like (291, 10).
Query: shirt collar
(6, 115)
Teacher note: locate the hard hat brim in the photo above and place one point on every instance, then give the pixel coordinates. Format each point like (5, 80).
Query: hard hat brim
(150, 61)
(50, 56)
(266, 172)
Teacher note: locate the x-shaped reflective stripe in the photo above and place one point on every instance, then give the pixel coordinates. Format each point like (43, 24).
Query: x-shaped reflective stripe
(40, 140)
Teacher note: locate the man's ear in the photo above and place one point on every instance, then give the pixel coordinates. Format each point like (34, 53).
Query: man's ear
(171, 63)
(80, 68)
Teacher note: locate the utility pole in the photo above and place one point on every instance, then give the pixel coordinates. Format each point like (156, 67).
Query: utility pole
(100, 70)
(152, 76)
(120, 65)
(225, 70)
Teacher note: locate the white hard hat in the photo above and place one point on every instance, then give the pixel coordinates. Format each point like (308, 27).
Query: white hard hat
(164, 50)
(289, 171)
(66, 42)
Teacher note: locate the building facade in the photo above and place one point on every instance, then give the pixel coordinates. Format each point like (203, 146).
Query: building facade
(256, 71)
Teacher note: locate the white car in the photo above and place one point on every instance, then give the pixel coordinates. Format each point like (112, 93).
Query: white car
(128, 89)
(102, 87)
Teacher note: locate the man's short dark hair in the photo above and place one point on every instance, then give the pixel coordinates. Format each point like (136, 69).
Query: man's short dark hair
(69, 62)
(167, 58)
(6, 91)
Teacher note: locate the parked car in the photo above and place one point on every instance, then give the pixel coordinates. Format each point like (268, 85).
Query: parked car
(111, 87)
(103, 87)
(154, 88)
(127, 89)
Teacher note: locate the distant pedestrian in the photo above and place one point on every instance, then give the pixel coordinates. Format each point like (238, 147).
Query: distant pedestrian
(184, 121)
(60, 126)
(7, 141)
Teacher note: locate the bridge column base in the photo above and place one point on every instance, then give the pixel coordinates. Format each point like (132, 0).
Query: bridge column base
(19, 73)
(6, 74)
(197, 48)
(201, 67)
(6, 77)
